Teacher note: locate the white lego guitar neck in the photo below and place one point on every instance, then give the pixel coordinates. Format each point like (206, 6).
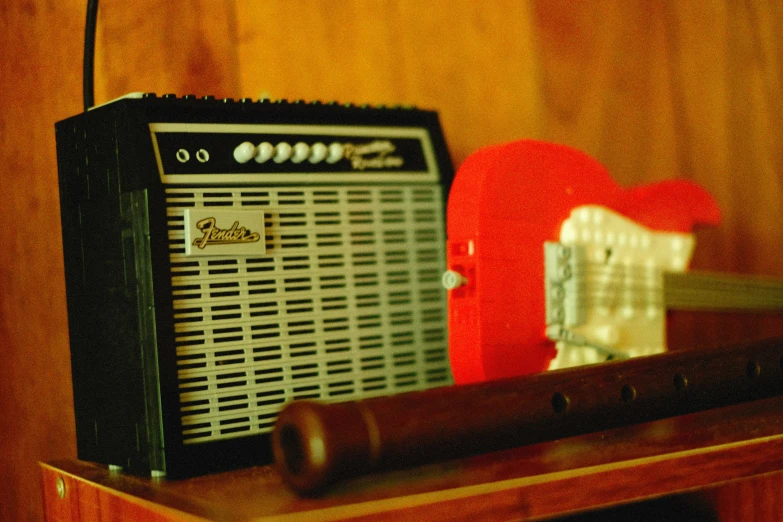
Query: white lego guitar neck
(609, 282)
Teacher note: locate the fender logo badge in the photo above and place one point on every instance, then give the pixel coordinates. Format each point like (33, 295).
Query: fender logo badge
(221, 236)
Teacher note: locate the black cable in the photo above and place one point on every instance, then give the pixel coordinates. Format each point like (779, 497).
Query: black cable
(89, 54)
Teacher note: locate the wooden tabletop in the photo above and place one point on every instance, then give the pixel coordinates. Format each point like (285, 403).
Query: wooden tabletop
(628, 464)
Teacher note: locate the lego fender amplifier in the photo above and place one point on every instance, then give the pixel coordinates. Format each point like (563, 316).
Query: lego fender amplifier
(223, 258)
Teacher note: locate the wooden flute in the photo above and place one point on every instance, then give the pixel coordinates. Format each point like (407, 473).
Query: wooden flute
(316, 445)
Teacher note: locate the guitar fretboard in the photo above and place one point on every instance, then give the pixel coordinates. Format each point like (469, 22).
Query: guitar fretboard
(708, 291)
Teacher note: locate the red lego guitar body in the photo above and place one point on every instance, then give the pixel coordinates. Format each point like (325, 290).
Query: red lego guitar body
(505, 202)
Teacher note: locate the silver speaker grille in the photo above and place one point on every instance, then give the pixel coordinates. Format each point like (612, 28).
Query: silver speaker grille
(345, 304)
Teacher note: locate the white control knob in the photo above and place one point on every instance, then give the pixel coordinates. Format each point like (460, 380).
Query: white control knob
(284, 151)
(336, 152)
(301, 152)
(244, 152)
(265, 152)
(318, 152)
(452, 279)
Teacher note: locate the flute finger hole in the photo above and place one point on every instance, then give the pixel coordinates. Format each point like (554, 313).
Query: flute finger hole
(628, 393)
(753, 370)
(559, 402)
(680, 382)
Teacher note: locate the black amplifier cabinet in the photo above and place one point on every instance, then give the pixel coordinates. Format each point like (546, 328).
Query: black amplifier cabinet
(225, 257)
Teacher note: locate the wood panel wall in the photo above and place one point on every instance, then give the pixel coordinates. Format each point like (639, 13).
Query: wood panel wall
(654, 90)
